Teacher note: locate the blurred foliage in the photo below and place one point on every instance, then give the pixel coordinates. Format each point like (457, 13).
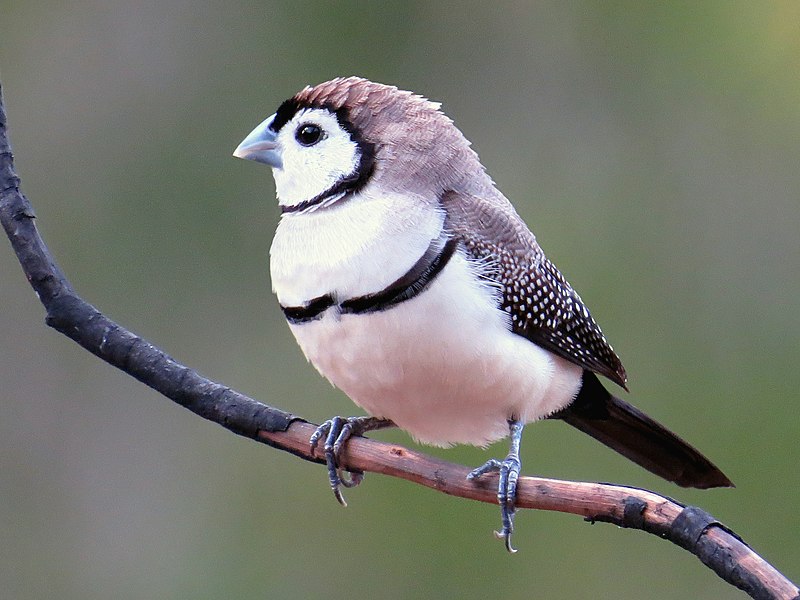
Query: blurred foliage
(654, 149)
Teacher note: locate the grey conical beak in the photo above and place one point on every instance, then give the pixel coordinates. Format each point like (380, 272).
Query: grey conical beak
(260, 146)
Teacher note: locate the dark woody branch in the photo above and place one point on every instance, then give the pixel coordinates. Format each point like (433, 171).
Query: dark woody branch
(689, 527)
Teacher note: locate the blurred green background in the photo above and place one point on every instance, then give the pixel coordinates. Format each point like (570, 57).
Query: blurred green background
(653, 147)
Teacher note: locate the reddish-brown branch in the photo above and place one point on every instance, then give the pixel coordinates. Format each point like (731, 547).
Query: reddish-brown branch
(689, 527)
(716, 545)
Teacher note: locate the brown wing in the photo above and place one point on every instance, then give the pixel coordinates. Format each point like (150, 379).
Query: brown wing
(542, 305)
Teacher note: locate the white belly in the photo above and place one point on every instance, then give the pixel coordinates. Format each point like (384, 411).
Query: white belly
(443, 366)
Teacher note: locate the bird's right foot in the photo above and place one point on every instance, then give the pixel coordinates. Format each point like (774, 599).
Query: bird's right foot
(336, 432)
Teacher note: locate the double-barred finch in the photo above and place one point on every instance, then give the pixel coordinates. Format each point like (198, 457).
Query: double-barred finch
(411, 283)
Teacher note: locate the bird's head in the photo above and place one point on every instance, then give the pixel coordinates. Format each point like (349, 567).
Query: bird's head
(340, 136)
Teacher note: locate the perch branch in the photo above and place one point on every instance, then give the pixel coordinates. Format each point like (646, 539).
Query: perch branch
(689, 527)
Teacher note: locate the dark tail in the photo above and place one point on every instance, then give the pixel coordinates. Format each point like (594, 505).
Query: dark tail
(633, 434)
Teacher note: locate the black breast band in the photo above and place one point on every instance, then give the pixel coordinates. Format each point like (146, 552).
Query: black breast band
(409, 285)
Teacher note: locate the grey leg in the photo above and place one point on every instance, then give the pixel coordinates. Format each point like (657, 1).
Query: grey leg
(507, 488)
(336, 432)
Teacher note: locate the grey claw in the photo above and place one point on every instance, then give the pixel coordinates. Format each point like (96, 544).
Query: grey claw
(490, 466)
(508, 469)
(336, 432)
(331, 430)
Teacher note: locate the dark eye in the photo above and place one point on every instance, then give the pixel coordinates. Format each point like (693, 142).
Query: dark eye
(309, 134)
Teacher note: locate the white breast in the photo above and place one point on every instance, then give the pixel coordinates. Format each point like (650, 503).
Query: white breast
(349, 250)
(444, 365)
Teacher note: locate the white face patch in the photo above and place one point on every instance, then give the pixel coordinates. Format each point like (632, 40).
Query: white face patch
(311, 170)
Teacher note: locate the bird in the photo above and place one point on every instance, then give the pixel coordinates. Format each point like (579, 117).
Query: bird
(411, 283)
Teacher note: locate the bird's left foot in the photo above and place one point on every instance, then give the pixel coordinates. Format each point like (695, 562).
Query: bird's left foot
(336, 432)
(506, 492)
(508, 469)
